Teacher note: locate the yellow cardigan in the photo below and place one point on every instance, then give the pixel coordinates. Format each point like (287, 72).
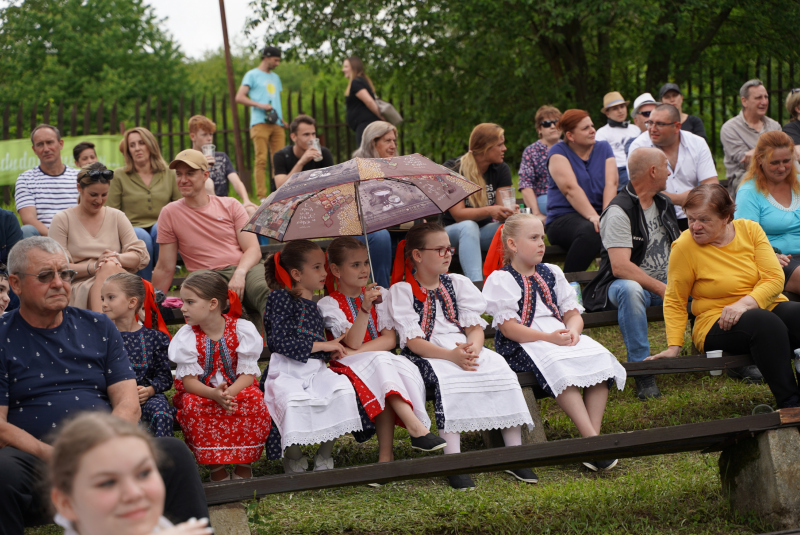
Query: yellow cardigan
(716, 277)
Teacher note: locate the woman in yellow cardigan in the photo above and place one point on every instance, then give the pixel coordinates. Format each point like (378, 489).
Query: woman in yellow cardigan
(733, 276)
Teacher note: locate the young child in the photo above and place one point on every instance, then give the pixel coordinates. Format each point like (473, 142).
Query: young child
(105, 479)
(389, 387)
(539, 324)
(438, 318)
(4, 287)
(123, 295)
(220, 408)
(309, 402)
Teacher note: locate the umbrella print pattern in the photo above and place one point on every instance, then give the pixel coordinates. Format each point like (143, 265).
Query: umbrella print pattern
(357, 196)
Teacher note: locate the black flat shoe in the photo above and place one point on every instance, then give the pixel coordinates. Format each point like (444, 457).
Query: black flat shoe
(526, 475)
(749, 375)
(429, 442)
(461, 482)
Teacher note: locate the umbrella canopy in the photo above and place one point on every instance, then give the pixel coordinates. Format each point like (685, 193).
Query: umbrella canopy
(359, 196)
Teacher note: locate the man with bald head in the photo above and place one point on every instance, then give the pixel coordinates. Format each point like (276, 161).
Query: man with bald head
(689, 158)
(637, 229)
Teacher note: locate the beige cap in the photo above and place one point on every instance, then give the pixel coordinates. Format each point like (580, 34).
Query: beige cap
(612, 99)
(192, 158)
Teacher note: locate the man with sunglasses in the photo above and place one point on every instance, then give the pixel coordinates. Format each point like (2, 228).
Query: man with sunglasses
(690, 160)
(55, 362)
(40, 193)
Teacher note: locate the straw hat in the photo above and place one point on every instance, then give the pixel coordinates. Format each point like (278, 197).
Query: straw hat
(612, 99)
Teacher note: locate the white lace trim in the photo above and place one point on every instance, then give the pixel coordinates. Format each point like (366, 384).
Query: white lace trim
(484, 424)
(503, 316)
(317, 437)
(248, 368)
(792, 207)
(406, 330)
(383, 323)
(338, 328)
(587, 381)
(571, 303)
(182, 370)
(468, 319)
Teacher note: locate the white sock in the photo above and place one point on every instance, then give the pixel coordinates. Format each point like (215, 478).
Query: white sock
(453, 442)
(326, 449)
(512, 436)
(293, 452)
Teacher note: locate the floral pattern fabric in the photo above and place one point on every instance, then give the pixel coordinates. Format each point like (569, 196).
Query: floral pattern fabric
(533, 171)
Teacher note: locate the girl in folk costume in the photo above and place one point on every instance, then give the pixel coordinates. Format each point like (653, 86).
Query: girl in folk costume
(310, 403)
(539, 324)
(123, 296)
(220, 408)
(438, 318)
(390, 387)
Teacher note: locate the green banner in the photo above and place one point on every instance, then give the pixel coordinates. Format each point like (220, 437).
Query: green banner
(17, 156)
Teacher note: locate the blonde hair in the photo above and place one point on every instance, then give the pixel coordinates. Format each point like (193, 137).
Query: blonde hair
(792, 102)
(767, 144)
(79, 436)
(372, 133)
(511, 229)
(357, 69)
(157, 163)
(483, 137)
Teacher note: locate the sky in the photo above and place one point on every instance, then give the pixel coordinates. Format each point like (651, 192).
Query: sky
(195, 24)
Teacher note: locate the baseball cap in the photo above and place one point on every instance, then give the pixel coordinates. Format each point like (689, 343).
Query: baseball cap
(644, 98)
(192, 158)
(669, 87)
(271, 52)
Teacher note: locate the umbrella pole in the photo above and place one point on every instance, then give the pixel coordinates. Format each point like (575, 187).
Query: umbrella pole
(364, 228)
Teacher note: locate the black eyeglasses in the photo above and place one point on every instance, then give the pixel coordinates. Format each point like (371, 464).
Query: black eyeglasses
(548, 124)
(658, 124)
(97, 174)
(442, 250)
(645, 113)
(45, 277)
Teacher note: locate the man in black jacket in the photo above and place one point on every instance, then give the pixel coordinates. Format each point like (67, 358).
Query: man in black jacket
(637, 229)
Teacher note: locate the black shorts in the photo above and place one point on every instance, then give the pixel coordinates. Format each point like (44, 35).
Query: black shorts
(789, 268)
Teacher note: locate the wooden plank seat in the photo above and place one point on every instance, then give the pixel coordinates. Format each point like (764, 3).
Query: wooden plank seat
(703, 436)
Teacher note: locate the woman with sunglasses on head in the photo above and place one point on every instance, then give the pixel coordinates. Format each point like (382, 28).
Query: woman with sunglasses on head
(533, 173)
(99, 240)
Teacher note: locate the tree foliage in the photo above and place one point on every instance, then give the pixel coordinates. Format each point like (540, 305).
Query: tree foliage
(85, 49)
(498, 60)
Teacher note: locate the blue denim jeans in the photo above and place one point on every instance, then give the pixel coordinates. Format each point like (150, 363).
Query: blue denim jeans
(469, 240)
(631, 301)
(149, 239)
(380, 251)
(28, 231)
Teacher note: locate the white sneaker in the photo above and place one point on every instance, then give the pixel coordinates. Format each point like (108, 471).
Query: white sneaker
(295, 466)
(322, 463)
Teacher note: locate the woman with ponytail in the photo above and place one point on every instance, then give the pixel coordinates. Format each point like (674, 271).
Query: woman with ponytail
(220, 407)
(471, 224)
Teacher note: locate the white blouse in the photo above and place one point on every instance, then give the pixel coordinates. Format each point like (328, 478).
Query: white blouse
(502, 295)
(183, 352)
(336, 320)
(469, 302)
(69, 527)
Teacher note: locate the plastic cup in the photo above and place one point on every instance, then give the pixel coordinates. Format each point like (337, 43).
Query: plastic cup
(714, 355)
(209, 149)
(524, 210)
(507, 198)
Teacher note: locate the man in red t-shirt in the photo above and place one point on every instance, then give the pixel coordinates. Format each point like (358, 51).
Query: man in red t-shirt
(206, 231)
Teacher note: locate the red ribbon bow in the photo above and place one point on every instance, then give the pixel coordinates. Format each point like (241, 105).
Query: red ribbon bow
(280, 273)
(401, 270)
(151, 311)
(495, 254)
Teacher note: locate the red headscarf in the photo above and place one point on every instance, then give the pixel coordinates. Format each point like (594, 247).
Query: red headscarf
(151, 310)
(281, 274)
(402, 270)
(494, 257)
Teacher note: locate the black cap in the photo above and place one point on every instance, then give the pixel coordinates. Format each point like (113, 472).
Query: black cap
(668, 87)
(271, 52)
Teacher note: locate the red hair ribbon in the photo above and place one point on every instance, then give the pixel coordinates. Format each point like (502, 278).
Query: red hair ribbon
(236, 305)
(280, 273)
(151, 311)
(401, 270)
(330, 280)
(495, 254)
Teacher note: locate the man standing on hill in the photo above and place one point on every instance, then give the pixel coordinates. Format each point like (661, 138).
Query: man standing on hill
(740, 134)
(43, 191)
(261, 90)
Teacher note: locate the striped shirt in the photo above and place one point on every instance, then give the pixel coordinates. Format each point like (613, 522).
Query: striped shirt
(47, 193)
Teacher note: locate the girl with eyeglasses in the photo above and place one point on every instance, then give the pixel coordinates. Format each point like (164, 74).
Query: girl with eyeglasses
(99, 240)
(438, 318)
(533, 173)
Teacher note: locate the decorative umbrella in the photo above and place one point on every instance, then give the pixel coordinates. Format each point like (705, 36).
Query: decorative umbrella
(357, 197)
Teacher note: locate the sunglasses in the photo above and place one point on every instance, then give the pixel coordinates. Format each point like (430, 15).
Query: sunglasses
(645, 113)
(548, 124)
(96, 174)
(45, 277)
(442, 250)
